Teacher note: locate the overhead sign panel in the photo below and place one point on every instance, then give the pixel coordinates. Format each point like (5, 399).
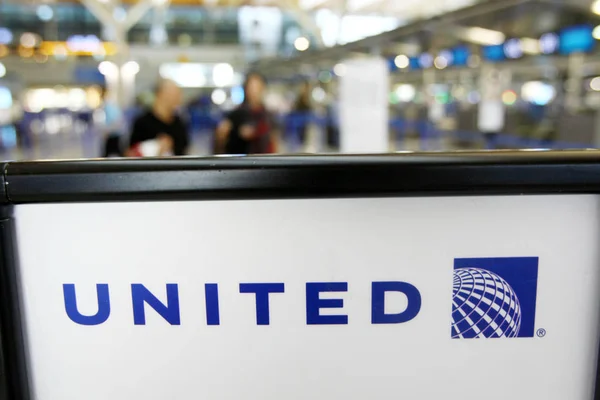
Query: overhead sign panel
(576, 39)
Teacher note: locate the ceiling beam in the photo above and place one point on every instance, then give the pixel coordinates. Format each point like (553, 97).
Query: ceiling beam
(137, 12)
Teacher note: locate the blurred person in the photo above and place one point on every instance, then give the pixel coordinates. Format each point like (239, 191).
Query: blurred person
(160, 131)
(113, 126)
(17, 118)
(248, 129)
(302, 110)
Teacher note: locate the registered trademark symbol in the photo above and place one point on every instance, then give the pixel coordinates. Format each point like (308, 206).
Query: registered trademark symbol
(541, 332)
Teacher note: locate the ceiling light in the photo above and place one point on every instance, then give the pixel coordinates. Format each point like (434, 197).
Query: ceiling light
(130, 68)
(595, 84)
(425, 60)
(325, 76)
(402, 61)
(28, 40)
(549, 42)
(223, 75)
(513, 48)
(483, 36)
(440, 62)
(530, 46)
(45, 12)
(6, 36)
(218, 96)
(319, 95)
(108, 68)
(596, 7)
(340, 69)
(405, 93)
(301, 43)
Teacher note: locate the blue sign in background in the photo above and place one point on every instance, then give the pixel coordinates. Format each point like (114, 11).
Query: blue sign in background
(414, 63)
(461, 55)
(88, 75)
(494, 53)
(576, 39)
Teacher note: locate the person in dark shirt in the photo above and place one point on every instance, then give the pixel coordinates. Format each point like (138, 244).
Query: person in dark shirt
(302, 110)
(160, 131)
(249, 128)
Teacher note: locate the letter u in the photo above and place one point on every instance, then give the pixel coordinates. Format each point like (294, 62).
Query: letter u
(73, 312)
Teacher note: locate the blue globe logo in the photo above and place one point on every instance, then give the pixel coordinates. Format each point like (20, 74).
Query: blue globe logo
(483, 305)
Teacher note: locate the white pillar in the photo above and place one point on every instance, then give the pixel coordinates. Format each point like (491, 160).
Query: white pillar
(112, 77)
(120, 59)
(574, 83)
(491, 116)
(364, 111)
(128, 72)
(435, 110)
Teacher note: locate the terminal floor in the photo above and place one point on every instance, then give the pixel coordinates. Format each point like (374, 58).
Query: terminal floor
(64, 146)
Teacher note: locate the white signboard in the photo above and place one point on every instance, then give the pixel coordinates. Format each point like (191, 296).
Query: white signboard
(492, 111)
(312, 299)
(364, 115)
(490, 118)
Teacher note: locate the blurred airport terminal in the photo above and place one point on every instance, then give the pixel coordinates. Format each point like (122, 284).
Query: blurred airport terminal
(329, 76)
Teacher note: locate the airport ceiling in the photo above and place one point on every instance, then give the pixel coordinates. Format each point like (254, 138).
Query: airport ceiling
(514, 18)
(430, 24)
(405, 10)
(363, 6)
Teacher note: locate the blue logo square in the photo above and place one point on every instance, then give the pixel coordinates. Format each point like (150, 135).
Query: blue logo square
(494, 297)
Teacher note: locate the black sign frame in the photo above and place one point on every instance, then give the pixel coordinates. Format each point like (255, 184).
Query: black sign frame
(268, 177)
